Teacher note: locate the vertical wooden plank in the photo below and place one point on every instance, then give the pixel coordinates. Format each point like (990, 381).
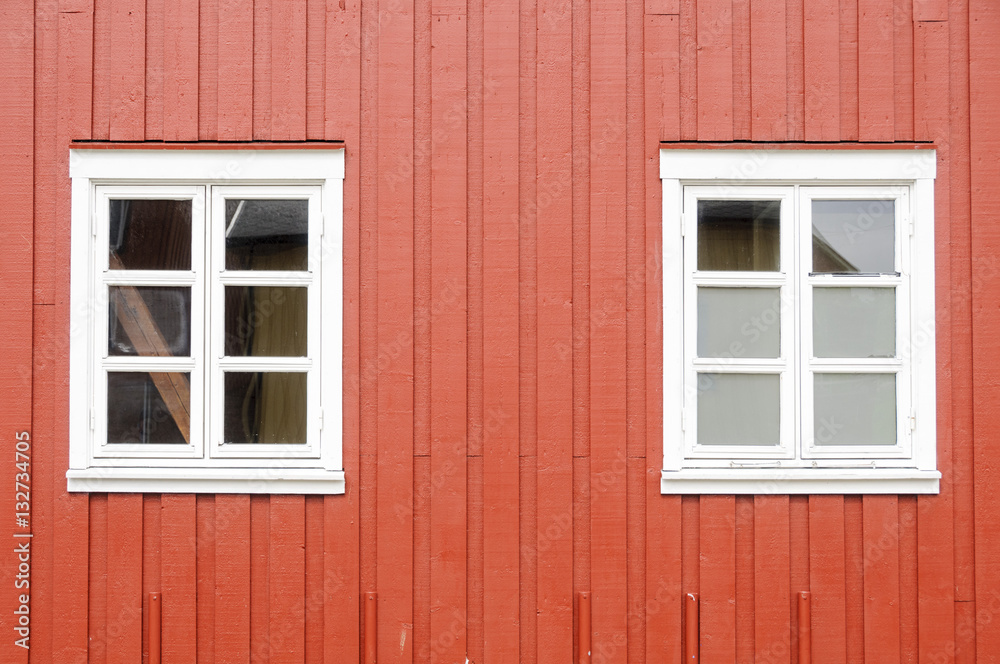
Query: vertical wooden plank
(854, 587)
(288, 71)
(717, 548)
(500, 331)
(314, 580)
(662, 67)
(984, 22)
(903, 53)
(128, 70)
(394, 558)
(153, 112)
(232, 579)
(798, 546)
(102, 73)
(930, 10)
(881, 582)
(608, 383)
(554, 269)
(180, 71)
(343, 74)
(151, 564)
(795, 53)
(876, 81)
(235, 116)
(205, 574)
(17, 78)
(262, 70)
(772, 616)
(745, 579)
(97, 576)
(908, 597)
(689, 72)
(178, 576)
(936, 580)
(715, 70)
(124, 578)
(821, 31)
(849, 93)
(742, 97)
(260, 578)
(208, 69)
(449, 293)
(315, 69)
(286, 579)
(768, 71)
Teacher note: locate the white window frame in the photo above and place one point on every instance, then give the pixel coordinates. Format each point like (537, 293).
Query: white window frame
(207, 177)
(797, 466)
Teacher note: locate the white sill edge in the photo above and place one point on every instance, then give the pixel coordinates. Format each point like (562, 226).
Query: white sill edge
(229, 480)
(775, 481)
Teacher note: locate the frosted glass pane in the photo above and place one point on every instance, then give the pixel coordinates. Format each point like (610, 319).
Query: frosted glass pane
(854, 236)
(738, 409)
(739, 322)
(854, 322)
(739, 235)
(855, 409)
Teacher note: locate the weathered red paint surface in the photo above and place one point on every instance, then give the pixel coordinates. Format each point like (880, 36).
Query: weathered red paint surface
(503, 343)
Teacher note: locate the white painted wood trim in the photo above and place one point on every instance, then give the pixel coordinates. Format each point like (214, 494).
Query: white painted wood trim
(781, 481)
(208, 480)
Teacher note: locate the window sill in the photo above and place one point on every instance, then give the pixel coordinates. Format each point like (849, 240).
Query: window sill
(800, 481)
(212, 480)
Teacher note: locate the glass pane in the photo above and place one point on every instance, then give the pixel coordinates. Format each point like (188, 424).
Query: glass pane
(739, 235)
(854, 236)
(150, 235)
(265, 408)
(149, 408)
(738, 409)
(266, 321)
(266, 235)
(739, 322)
(854, 322)
(149, 320)
(855, 409)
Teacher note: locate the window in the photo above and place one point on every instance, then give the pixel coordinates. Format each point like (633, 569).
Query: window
(206, 310)
(803, 358)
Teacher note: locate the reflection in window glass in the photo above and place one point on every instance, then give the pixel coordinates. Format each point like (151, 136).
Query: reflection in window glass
(739, 235)
(267, 408)
(150, 235)
(267, 234)
(266, 321)
(149, 320)
(148, 408)
(855, 236)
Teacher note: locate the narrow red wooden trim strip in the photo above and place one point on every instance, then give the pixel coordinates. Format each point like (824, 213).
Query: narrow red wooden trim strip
(180, 70)
(715, 70)
(691, 629)
(876, 82)
(771, 578)
(821, 30)
(206, 42)
(235, 115)
(768, 72)
(370, 631)
(128, 70)
(583, 628)
(805, 628)
(155, 605)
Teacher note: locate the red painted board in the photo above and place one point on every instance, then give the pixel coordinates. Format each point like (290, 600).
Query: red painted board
(876, 83)
(260, 577)
(16, 165)
(827, 580)
(286, 579)
(180, 71)
(768, 72)
(124, 578)
(662, 67)
(854, 579)
(742, 97)
(262, 66)
(343, 69)
(97, 573)
(208, 69)
(232, 578)
(908, 593)
(822, 49)
(500, 332)
(930, 10)
(715, 70)
(205, 545)
(772, 634)
(128, 70)
(848, 34)
(316, 69)
(153, 113)
(795, 54)
(235, 52)
(904, 73)
(717, 545)
(288, 71)
(688, 69)
(881, 578)
(178, 539)
(662, 7)
(151, 566)
(746, 591)
(102, 73)
(313, 592)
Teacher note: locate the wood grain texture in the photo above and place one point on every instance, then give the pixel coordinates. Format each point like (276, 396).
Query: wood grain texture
(768, 72)
(235, 116)
(232, 581)
(876, 80)
(772, 619)
(178, 574)
(715, 70)
(717, 545)
(180, 70)
(881, 578)
(124, 578)
(821, 32)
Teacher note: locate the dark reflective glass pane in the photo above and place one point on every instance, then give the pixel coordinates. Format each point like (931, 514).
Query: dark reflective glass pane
(267, 408)
(267, 235)
(742, 236)
(150, 235)
(857, 236)
(149, 320)
(264, 321)
(148, 408)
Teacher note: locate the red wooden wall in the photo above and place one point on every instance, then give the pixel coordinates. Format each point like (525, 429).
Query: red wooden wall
(503, 347)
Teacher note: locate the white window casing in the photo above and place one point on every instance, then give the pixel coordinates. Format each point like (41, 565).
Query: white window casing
(206, 177)
(800, 459)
